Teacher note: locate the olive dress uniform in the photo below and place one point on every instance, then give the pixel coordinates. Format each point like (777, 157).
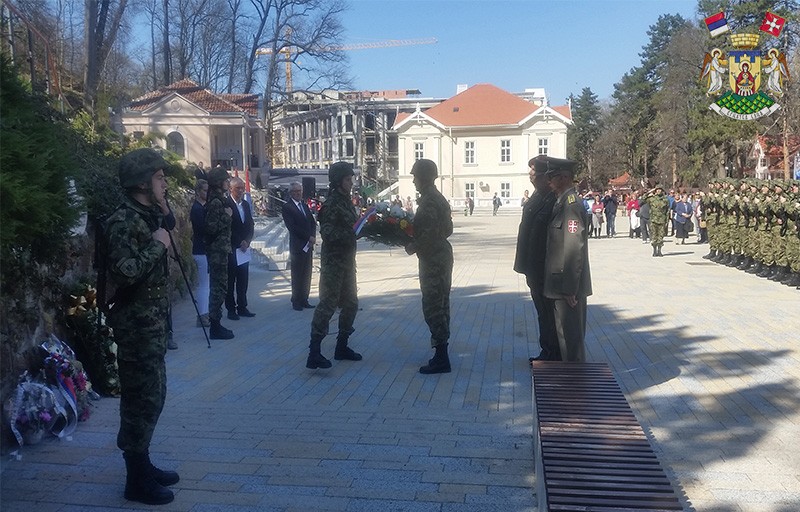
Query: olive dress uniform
(566, 269)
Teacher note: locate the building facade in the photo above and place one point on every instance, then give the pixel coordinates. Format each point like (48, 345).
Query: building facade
(314, 130)
(201, 126)
(482, 139)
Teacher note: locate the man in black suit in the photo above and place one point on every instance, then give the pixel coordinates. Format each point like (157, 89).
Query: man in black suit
(241, 236)
(302, 234)
(530, 256)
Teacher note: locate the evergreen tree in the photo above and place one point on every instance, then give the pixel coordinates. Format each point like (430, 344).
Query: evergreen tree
(583, 133)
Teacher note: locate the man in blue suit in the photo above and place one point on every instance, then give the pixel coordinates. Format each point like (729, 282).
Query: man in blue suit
(241, 235)
(302, 234)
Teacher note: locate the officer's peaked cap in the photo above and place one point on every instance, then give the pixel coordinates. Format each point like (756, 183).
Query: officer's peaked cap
(425, 169)
(139, 165)
(559, 166)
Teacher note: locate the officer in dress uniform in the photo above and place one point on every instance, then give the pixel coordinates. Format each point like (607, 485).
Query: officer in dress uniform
(567, 279)
(137, 265)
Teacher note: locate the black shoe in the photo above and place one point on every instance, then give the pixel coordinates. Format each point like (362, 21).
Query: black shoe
(315, 361)
(171, 345)
(346, 354)
(745, 264)
(246, 313)
(766, 271)
(217, 332)
(439, 363)
(778, 275)
(735, 260)
(308, 305)
(755, 268)
(792, 279)
(297, 308)
(232, 315)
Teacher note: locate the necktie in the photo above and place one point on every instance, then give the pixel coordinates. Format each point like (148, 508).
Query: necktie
(300, 206)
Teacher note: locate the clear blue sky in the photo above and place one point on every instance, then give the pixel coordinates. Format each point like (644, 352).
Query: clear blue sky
(562, 46)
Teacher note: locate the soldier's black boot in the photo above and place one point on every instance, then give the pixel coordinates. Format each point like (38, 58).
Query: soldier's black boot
(725, 259)
(439, 363)
(766, 271)
(140, 485)
(343, 352)
(756, 268)
(791, 279)
(711, 254)
(658, 251)
(745, 264)
(217, 332)
(655, 251)
(163, 477)
(315, 358)
(735, 260)
(779, 274)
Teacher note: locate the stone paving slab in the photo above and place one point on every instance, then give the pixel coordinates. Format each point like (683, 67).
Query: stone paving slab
(707, 356)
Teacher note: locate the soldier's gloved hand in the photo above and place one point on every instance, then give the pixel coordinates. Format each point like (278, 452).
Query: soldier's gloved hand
(161, 235)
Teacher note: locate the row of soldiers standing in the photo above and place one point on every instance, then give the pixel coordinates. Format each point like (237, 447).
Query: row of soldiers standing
(754, 225)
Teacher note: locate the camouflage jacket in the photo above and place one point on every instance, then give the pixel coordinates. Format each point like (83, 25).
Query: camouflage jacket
(138, 266)
(336, 218)
(659, 207)
(433, 223)
(217, 228)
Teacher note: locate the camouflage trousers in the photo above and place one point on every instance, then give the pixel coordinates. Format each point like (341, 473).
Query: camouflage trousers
(658, 229)
(337, 289)
(218, 289)
(143, 386)
(793, 249)
(435, 277)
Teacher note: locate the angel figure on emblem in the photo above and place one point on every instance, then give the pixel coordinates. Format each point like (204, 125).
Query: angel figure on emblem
(714, 67)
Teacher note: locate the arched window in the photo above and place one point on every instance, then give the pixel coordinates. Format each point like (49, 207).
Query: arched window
(175, 144)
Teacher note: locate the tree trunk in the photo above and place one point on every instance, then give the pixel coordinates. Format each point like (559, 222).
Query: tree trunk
(167, 50)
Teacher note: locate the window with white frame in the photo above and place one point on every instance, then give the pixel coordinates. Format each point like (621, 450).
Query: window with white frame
(544, 145)
(469, 190)
(505, 150)
(505, 190)
(419, 150)
(469, 152)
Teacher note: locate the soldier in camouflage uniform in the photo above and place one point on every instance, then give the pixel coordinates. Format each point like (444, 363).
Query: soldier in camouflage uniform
(337, 277)
(433, 223)
(711, 212)
(137, 265)
(218, 247)
(659, 214)
(793, 233)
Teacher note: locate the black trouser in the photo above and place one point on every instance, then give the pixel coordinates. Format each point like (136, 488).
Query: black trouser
(300, 263)
(548, 338)
(237, 283)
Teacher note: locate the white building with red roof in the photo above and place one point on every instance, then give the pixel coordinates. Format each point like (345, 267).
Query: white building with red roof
(481, 139)
(201, 126)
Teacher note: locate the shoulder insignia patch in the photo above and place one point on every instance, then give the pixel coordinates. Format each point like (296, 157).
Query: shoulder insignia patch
(570, 199)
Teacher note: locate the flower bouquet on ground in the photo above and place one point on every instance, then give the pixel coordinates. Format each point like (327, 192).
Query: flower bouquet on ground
(386, 224)
(32, 410)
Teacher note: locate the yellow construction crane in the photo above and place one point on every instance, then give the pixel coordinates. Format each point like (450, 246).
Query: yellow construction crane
(290, 50)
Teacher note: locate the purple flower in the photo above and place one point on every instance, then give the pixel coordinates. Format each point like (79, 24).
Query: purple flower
(45, 416)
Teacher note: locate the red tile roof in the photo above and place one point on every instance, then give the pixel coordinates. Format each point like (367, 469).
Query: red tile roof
(773, 146)
(203, 98)
(482, 105)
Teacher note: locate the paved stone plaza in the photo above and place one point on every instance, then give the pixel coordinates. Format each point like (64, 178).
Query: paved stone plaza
(708, 356)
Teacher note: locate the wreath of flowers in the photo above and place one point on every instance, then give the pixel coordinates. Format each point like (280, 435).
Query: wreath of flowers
(386, 224)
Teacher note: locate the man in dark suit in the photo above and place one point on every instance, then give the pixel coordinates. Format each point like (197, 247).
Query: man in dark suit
(531, 250)
(302, 234)
(241, 236)
(567, 281)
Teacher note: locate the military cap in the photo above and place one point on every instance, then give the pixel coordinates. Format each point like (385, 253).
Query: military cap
(425, 169)
(217, 176)
(539, 164)
(139, 165)
(338, 171)
(658, 186)
(558, 166)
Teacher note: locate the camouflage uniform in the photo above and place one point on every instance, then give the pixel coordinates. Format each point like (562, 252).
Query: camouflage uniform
(337, 277)
(218, 246)
(659, 213)
(433, 223)
(137, 264)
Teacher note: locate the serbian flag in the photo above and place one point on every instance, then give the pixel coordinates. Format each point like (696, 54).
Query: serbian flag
(717, 24)
(363, 220)
(772, 24)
